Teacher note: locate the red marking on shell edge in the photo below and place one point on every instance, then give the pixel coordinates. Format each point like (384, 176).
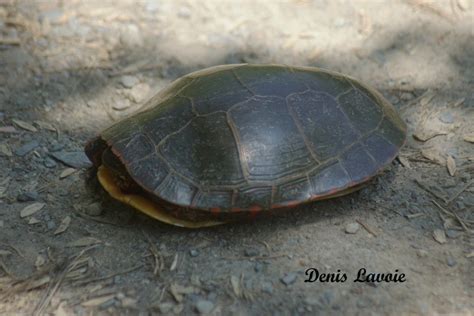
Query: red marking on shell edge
(235, 210)
(254, 210)
(215, 210)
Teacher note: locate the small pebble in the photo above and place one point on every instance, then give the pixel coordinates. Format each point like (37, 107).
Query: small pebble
(204, 306)
(184, 13)
(128, 81)
(352, 228)
(258, 267)
(51, 225)
(93, 209)
(2, 223)
(453, 234)
(251, 252)
(27, 196)
(49, 163)
(451, 261)
(446, 117)
(194, 253)
(26, 148)
(289, 278)
(267, 287)
(327, 297)
(165, 308)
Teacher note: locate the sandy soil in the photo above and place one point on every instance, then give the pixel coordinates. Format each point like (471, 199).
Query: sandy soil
(70, 68)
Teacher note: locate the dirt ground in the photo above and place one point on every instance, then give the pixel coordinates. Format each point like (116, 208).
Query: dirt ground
(70, 68)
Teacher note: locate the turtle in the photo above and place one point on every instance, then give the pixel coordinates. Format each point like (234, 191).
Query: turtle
(235, 141)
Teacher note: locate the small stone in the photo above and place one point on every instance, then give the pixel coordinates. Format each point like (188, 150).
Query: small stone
(49, 163)
(27, 196)
(361, 303)
(51, 225)
(121, 104)
(194, 253)
(56, 147)
(453, 234)
(289, 278)
(251, 252)
(258, 267)
(128, 81)
(267, 287)
(204, 306)
(139, 92)
(26, 148)
(451, 261)
(352, 228)
(446, 117)
(422, 253)
(75, 159)
(2, 223)
(439, 236)
(165, 308)
(93, 209)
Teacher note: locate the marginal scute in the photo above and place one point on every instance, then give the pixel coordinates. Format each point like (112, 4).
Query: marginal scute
(326, 179)
(175, 188)
(361, 110)
(254, 197)
(213, 199)
(296, 190)
(358, 163)
(380, 149)
(137, 146)
(392, 131)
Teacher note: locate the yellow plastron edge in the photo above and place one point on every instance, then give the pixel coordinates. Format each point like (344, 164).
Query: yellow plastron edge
(144, 205)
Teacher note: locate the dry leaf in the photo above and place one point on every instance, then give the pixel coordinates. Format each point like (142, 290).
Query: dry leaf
(451, 165)
(39, 282)
(5, 252)
(33, 220)
(469, 138)
(433, 155)
(31, 209)
(61, 311)
(4, 186)
(24, 125)
(235, 282)
(439, 236)
(83, 242)
(174, 263)
(66, 172)
(98, 300)
(45, 125)
(40, 261)
(7, 129)
(404, 162)
(64, 225)
(425, 135)
(5, 150)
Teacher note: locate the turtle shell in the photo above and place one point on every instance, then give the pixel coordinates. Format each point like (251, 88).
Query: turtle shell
(244, 138)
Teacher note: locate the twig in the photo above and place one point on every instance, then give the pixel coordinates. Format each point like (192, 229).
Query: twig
(455, 196)
(366, 227)
(110, 275)
(430, 191)
(158, 258)
(451, 213)
(254, 257)
(52, 289)
(9, 41)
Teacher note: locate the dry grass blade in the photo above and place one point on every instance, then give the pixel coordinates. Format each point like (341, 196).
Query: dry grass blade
(452, 213)
(158, 262)
(367, 227)
(31, 209)
(451, 165)
(54, 286)
(24, 125)
(464, 188)
(63, 226)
